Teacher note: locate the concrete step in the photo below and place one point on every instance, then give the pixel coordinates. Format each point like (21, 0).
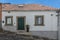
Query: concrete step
(24, 33)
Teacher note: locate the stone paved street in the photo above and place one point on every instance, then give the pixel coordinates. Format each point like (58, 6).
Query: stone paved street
(13, 36)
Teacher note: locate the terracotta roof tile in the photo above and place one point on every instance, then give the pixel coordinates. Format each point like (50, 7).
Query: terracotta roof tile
(26, 7)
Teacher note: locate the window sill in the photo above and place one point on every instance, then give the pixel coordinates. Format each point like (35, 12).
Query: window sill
(39, 25)
(8, 25)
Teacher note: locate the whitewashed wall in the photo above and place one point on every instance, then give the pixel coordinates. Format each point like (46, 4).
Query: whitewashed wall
(50, 22)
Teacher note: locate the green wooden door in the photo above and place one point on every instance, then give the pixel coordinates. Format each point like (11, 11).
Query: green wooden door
(21, 23)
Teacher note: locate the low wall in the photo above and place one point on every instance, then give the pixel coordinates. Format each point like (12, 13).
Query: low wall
(48, 34)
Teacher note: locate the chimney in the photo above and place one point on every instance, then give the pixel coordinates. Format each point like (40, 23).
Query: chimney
(21, 6)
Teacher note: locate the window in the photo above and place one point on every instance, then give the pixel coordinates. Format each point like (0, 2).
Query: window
(39, 20)
(9, 20)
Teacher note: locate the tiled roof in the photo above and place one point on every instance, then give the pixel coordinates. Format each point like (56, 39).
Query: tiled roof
(26, 7)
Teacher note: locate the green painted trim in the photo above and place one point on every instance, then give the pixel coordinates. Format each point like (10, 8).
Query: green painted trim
(24, 22)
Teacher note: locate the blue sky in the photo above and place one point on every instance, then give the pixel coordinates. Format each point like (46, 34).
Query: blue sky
(52, 3)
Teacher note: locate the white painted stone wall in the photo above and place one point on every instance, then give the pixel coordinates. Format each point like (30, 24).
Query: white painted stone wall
(50, 22)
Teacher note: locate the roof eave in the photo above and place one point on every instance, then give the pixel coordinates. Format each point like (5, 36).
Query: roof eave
(29, 10)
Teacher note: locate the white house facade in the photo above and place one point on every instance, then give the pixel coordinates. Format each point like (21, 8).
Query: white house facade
(41, 22)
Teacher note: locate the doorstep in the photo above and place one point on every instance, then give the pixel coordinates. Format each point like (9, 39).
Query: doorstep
(24, 33)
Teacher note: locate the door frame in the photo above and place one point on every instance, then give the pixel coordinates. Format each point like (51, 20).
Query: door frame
(24, 22)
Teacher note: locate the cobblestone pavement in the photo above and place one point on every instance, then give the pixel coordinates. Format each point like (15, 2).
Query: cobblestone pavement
(12, 37)
(4, 36)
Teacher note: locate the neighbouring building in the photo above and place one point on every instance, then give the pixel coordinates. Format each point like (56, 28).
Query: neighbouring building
(58, 24)
(0, 16)
(42, 20)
